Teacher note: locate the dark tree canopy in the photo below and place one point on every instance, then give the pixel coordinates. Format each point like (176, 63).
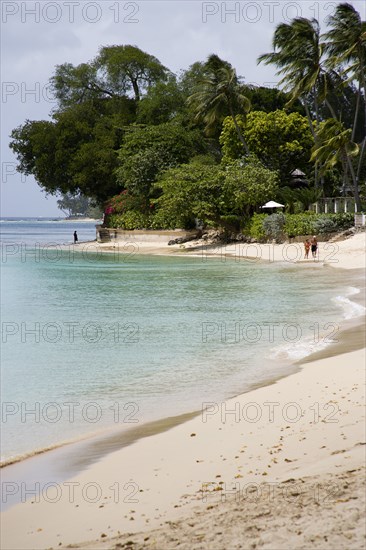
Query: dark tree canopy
(127, 68)
(75, 152)
(163, 102)
(116, 71)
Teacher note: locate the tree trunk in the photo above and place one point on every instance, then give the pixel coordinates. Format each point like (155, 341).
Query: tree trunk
(136, 90)
(321, 186)
(240, 135)
(356, 112)
(311, 126)
(306, 107)
(354, 182)
(331, 110)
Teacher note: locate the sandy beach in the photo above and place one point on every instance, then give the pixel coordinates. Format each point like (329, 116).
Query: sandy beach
(279, 467)
(345, 254)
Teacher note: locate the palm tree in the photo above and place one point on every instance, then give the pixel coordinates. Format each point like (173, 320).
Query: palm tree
(346, 48)
(298, 54)
(219, 95)
(334, 145)
(306, 197)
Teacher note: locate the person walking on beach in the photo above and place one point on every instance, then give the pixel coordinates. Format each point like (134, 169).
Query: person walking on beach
(314, 246)
(75, 237)
(307, 248)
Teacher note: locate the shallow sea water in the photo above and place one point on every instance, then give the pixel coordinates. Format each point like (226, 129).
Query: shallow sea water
(92, 342)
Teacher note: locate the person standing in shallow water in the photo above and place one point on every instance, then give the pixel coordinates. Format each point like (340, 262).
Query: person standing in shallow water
(307, 248)
(75, 237)
(314, 246)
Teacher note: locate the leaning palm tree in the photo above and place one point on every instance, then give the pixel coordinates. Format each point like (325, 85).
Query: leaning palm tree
(334, 145)
(217, 96)
(298, 54)
(345, 44)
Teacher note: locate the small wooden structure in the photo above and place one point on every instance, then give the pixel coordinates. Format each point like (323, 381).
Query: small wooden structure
(298, 179)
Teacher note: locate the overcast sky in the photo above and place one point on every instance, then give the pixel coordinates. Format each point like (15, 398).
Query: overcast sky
(36, 36)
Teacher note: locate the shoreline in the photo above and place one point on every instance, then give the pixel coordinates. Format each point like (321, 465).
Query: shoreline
(135, 460)
(292, 364)
(288, 253)
(354, 326)
(178, 447)
(121, 438)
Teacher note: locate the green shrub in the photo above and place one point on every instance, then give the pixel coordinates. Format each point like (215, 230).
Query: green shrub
(307, 223)
(164, 220)
(129, 220)
(300, 224)
(324, 224)
(273, 226)
(255, 227)
(344, 220)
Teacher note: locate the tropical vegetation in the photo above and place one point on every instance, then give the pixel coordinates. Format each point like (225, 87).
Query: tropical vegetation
(202, 148)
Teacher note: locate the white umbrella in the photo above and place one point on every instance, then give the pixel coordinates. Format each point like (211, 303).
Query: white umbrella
(272, 204)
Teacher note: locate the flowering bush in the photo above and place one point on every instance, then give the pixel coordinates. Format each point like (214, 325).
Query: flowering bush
(124, 202)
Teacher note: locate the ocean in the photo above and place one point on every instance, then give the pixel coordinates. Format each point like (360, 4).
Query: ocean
(94, 342)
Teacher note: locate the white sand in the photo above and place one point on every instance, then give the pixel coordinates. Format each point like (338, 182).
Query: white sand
(347, 254)
(310, 426)
(316, 427)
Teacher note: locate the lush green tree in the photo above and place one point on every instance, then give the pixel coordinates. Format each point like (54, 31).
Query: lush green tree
(299, 57)
(220, 95)
(163, 102)
(248, 185)
(190, 78)
(127, 68)
(281, 141)
(76, 152)
(73, 205)
(72, 85)
(34, 144)
(267, 99)
(116, 71)
(147, 151)
(189, 192)
(212, 194)
(321, 71)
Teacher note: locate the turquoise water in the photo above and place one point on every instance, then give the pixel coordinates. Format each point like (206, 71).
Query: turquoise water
(33, 231)
(92, 343)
